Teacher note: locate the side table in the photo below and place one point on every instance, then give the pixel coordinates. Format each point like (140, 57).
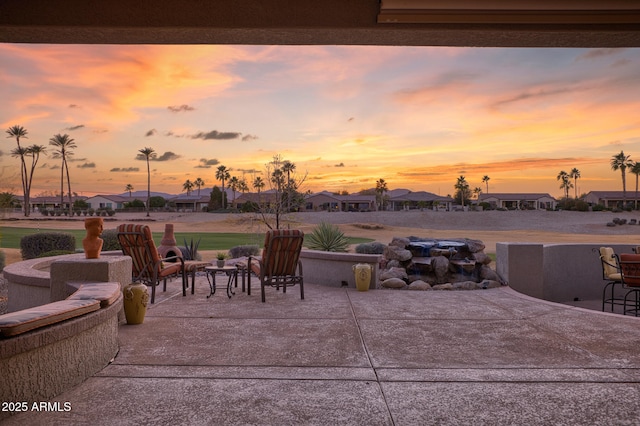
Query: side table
(230, 271)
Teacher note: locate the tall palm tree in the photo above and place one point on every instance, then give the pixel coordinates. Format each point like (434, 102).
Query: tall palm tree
(20, 152)
(64, 145)
(222, 174)
(288, 167)
(565, 183)
(485, 179)
(622, 162)
(129, 189)
(635, 169)
(188, 186)
(575, 174)
(148, 154)
(381, 188)
(462, 186)
(234, 184)
(199, 183)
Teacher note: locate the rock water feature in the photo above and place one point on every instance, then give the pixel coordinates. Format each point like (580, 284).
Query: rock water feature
(433, 264)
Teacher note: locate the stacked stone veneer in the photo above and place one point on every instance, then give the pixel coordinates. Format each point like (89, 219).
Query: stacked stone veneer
(426, 264)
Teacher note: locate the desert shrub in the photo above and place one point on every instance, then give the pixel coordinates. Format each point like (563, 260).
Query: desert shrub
(135, 203)
(327, 237)
(31, 246)
(244, 251)
(581, 206)
(190, 250)
(250, 207)
(54, 253)
(373, 226)
(598, 208)
(110, 240)
(370, 248)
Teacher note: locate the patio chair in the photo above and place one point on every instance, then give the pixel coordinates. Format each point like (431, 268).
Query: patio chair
(148, 267)
(630, 277)
(611, 274)
(280, 259)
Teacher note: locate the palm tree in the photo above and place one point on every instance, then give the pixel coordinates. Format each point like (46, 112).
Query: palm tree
(258, 184)
(381, 188)
(635, 169)
(621, 162)
(575, 174)
(188, 186)
(222, 174)
(485, 179)
(148, 153)
(20, 152)
(242, 185)
(565, 184)
(477, 191)
(234, 184)
(129, 189)
(462, 187)
(288, 167)
(199, 183)
(64, 145)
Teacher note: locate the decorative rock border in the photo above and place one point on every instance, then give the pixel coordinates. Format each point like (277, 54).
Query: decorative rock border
(436, 264)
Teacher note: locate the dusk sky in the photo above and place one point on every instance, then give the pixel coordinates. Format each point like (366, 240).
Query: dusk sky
(417, 117)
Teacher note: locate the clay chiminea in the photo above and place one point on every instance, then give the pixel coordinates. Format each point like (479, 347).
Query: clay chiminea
(168, 247)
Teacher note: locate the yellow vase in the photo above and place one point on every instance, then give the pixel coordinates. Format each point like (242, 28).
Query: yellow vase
(136, 298)
(362, 273)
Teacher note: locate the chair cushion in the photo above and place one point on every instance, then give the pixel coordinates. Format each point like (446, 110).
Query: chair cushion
(18, 322)
(141, 248)
(106, 293)
(170, 269)
(281, 251)
(607, 256)
(630, 268)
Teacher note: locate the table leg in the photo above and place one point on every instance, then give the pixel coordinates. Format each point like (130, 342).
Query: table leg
(211, 277)
(232, 275)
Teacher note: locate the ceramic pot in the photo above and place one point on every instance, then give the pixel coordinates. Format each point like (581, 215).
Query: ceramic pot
(220, 263)
(136, 298)
(362, 273)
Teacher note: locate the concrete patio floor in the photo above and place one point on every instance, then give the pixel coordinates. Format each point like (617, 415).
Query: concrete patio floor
(382, 357)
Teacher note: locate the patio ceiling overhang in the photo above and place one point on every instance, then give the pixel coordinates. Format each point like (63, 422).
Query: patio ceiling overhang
(320, 22)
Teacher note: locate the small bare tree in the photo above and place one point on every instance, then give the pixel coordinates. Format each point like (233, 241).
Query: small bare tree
(284, 194)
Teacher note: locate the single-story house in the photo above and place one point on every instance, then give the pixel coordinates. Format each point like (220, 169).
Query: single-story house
(327, 201)
(50, 202)
(108, 201)
(191, 203)
(420, 200)
(610, 199)
(517, 201)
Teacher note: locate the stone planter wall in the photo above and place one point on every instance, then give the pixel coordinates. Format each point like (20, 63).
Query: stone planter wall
(336, 269)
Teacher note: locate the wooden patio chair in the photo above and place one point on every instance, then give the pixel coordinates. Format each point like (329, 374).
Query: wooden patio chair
(611, 274)
(280, 264)
(148, 267)
(630, 277)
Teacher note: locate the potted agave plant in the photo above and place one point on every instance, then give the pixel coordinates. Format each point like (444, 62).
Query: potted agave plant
(220, 258)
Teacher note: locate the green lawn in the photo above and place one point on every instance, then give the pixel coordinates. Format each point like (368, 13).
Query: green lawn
(10, 238)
